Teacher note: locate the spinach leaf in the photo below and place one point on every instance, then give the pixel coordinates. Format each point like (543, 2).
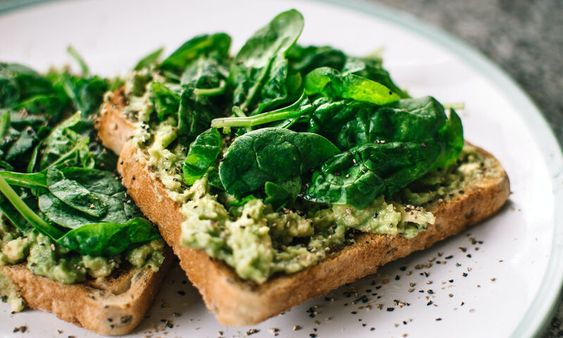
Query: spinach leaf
(331, 83)
(271, 155)
(397, 145)
(26, 212)
(166, 101)
(372, 68)
(86, 93)
(360, 175)
(305, 59)
(74, 194)
(260, 74)
(109, 239)
(279, 194)
(13, 215)
(149, 59)
(109, 202)
(350, 123)
(97, 181)
(208, 75)
(51, 105)
(202, 154)
(69, 145)
(192, 49)
(342, 180)
(195, 113)
(18, 82)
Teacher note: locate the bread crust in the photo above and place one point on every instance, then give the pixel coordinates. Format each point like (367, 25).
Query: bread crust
(237, 302)
(112, 306)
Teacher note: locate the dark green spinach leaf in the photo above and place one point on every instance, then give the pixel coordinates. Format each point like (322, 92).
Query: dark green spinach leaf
(202, 154)
(109, 239)
(260, 74)
(271, 155)
(305, 59)
(194, 48)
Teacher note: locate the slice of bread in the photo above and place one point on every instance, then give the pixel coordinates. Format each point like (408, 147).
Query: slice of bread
(110, 306)
(237, 302)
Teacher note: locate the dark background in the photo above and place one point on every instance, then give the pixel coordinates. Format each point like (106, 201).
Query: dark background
(523, 37)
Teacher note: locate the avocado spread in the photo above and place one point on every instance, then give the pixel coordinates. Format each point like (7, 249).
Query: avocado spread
(45, 258)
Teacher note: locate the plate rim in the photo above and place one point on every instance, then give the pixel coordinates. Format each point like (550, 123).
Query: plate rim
(547, 298)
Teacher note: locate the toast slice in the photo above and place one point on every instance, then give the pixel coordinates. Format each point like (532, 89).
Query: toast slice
(112, 306)
(237, 302)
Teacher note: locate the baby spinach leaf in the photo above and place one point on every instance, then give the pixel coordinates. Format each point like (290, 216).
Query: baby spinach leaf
(207, 73)
(18, 82)
(13, 215)
(341, 180)
(97, 181)
(202, 154)
(51, 105)
(192, 49)
(452, 134)
(102, 198)
(74, 194)
(165, 100)
(372, 68)
(260, 73)
(351, 123)
(18, 204)
(305, 59)
(109, 238)
(195, 113)
(86, 93)
(331, 83)
(360, 175)
(69, 145)
(22, 146)
(149, 59)
(271, 155)
(279, 194)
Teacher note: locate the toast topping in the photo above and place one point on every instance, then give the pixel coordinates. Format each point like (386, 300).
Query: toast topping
(282, 154)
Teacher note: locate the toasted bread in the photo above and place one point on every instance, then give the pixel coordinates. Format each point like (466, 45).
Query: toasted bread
(237, 302)
(110, 306)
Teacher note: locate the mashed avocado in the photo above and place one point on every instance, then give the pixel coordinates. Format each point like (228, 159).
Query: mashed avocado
(258, 241)
(9, 294)
(45, 258)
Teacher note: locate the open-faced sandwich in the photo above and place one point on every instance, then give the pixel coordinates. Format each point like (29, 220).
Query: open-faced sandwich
(71, 240)
(285, 171)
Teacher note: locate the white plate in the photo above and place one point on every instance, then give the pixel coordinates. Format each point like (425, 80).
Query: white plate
(499, 279)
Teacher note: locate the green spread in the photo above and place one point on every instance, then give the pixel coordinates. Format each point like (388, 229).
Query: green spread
(45, 258)
(9, 294)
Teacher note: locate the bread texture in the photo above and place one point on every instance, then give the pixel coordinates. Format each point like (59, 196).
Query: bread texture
(109, 306)
(237, 302)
